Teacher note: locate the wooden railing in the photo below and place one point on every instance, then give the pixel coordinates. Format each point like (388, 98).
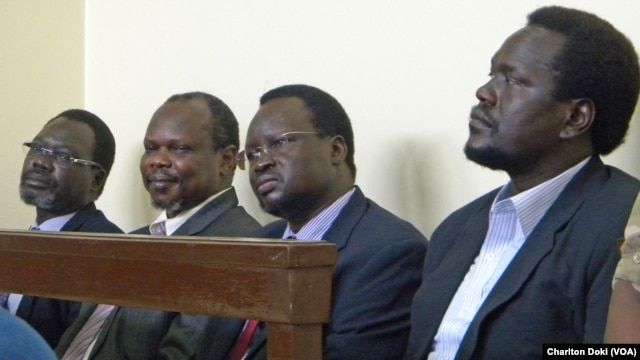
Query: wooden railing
(287, 284)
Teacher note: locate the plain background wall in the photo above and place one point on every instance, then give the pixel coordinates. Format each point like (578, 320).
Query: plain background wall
(405, 71)
(41, 74)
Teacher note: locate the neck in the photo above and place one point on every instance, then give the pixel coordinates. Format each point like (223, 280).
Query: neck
(297, 219)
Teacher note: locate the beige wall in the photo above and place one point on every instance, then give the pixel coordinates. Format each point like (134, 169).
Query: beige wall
(41, 74)
(405, 71)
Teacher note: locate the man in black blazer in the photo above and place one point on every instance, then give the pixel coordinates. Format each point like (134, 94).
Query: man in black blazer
(531, 263)
(187, 167)
(299, 154)
(64, 172)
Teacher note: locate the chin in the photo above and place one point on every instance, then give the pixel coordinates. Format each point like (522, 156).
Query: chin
(273, 207)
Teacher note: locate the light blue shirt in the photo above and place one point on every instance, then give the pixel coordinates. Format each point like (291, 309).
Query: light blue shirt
(511, 220)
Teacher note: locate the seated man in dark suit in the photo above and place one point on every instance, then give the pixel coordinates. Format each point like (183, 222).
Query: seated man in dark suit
(187, 167)
(299, 154)
(531, 263)
(64, 172)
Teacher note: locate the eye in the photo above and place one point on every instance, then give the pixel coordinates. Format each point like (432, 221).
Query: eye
(63, 157)
(180, 149)
(513, 81)
(279, 143)
(252, 154)
(148, 148)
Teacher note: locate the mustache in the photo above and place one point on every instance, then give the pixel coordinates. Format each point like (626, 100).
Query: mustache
(160, 175)
(37, 174)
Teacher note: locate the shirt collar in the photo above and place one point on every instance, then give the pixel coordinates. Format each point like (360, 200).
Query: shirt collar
(54, 224)
(175, 222)
(532, 204)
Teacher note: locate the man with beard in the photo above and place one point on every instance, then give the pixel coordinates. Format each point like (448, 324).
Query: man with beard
(531, 263)
(189, 160)
(300, 157)
(64, 172)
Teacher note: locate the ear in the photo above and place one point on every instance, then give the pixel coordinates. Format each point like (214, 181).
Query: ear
(228, 160)
(580, 119)
(338, 150)
(99, 178)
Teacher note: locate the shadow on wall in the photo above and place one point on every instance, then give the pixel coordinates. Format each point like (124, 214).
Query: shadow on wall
(435, 179)
(627, 156)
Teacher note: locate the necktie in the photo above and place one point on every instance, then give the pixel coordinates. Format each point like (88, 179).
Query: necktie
(87, 334)
(158, 229)
(242, 346)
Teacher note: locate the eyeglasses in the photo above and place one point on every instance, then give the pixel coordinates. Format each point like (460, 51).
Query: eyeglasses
(277, 147)
(60, 158)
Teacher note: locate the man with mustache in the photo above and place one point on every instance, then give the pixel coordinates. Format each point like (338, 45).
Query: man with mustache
(300, 157)
(187, 167)
(531, 262)
(63, 174)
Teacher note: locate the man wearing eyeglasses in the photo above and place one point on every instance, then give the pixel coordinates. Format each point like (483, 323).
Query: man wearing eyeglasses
(299, 155)
(64, 172)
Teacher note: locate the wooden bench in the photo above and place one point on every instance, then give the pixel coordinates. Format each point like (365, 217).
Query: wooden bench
(287, 284)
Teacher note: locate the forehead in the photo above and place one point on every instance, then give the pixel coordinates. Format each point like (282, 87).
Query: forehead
(182, 118)
(282, 115)
(533, 47)
(62, 132)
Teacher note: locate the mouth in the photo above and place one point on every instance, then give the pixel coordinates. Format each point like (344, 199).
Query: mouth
(38, 180)
(160, 181)
(479, 120)
(265, 185)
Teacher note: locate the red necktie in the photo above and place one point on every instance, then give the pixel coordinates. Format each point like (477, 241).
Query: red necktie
(245, 339)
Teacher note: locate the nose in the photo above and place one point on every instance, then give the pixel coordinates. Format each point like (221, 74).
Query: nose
(264, 162)
(487, 94)
(157, 159)
(41, 160)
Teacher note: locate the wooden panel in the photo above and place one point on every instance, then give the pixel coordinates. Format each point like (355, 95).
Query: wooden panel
(285, 283)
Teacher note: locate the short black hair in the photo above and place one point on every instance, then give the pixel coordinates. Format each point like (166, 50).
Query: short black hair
(329, 117)
(105, 144)
(598, 63)
(225, 130)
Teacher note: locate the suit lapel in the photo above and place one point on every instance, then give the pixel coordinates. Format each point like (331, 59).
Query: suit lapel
(446, 267)
(85, 312)
(75, 223)
(25, 308)
(346, 222)
(208, 214)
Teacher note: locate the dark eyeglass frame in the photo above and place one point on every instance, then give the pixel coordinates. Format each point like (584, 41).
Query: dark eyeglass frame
(251, 155)
(60, 158)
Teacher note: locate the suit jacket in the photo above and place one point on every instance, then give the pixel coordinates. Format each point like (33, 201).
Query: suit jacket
(556, 289)
(51, 317)
(130, 333)
(379, 269)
